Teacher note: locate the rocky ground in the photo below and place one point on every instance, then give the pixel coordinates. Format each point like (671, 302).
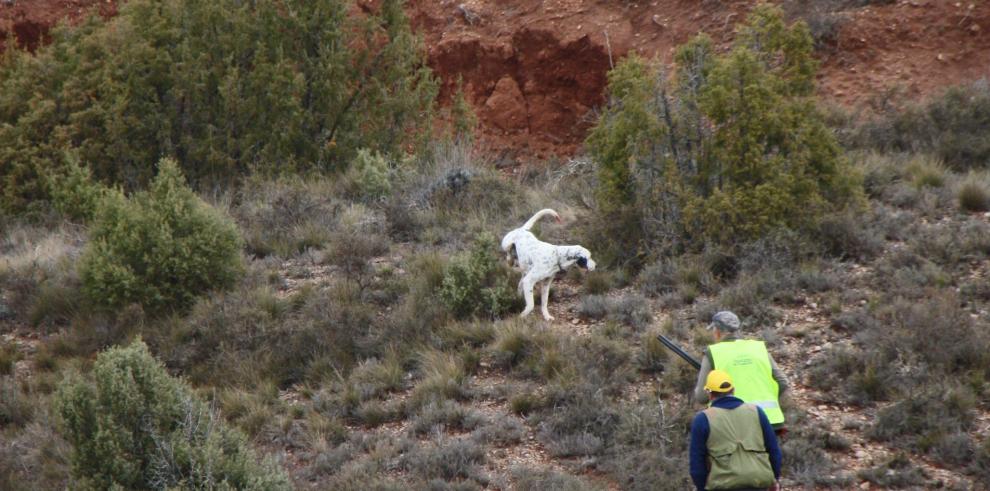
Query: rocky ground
(803, 335)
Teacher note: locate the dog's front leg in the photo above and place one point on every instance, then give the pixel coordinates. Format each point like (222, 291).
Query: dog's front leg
(545, 298)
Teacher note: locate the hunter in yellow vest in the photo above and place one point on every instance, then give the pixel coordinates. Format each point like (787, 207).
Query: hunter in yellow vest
(733, 446)
(757, 379)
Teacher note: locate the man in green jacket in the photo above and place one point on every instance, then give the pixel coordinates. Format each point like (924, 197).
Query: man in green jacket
(733, 446)
(757, 378)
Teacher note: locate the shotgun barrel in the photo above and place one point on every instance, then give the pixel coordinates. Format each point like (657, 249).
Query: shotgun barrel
(677, 349)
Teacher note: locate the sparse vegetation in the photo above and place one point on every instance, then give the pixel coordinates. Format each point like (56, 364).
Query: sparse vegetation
(364, 333)
(952, 125)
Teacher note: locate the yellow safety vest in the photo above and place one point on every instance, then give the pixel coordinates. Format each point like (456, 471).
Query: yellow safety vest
(748, 363)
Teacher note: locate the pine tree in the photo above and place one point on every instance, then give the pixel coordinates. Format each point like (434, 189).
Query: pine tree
(225, 87)
(727, 148)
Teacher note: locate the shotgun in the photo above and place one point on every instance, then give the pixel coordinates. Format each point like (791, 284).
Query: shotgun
(677, 349)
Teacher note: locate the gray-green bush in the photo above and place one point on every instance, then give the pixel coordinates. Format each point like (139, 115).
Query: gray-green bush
(133, 426)
(477, 284)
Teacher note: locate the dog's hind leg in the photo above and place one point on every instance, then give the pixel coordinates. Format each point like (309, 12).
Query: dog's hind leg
(545, 298)
(527, 284)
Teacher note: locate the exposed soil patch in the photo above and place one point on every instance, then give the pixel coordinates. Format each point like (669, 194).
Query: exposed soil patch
(535, 71)
(909, 49)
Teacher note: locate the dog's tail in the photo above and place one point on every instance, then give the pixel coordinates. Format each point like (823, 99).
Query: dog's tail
(540, 214)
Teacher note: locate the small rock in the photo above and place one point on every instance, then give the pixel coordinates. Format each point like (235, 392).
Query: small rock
(975, 28)
(940, 57)
(865, 485)
(469, 15)
(574, 321)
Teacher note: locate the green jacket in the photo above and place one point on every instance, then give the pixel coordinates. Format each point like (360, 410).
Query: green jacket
(737, 454)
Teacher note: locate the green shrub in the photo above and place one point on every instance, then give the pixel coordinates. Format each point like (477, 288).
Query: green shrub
(530, 479)
(647, 451)
(471, 334)
(631, 310)
(369, 175)
(523, 404)
(451, 459)
(952, 125)
(598, 282)
(38, 273)
(847, 236)
(593, 307)
(443, 378)
(580, 426)
(652, 354)
(8, 357)
(926, 172)
(353, 245)
(898, 472)
(926, 418)
(16, 407)
(73, 191)
(728, 147)
(134, 426)
(374, 378)
(505, 430)
(287, 215)
(448, 415)
(161, 248)
(973, 196)
(478, 284)
(228, 87)
(530, 352)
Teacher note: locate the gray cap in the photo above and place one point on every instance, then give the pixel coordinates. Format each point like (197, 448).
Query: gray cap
(725, 321)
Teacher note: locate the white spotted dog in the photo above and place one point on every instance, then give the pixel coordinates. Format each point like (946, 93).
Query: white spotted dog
(540, 261)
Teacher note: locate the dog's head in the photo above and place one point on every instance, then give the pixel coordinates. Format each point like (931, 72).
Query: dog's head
(582, 257)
